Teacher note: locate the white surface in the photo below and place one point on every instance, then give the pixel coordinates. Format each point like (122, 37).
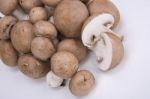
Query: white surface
(130, 80)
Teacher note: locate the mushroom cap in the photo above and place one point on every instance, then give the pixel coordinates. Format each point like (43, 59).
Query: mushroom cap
(109, 51)
(104, 6)
(69, 17)
(53, 80)
(51, 2)
(8, 6)
(22, 36)
(64, 64)
(6, 25)
(45, 29)
(42, 48)
(32, 67)
(8, 53)
(27, 5)
(37, 14)
(82, 83)
(74, 46)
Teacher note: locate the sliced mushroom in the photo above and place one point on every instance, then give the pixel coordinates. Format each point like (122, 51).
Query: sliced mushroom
(95, 26)
(109, 51)
(104, 6)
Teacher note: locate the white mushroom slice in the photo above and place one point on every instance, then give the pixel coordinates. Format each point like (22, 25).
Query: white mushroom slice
(96, 25)
(53, 80)
(109, 51)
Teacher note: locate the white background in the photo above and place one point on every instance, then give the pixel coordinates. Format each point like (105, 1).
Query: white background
(130, 80)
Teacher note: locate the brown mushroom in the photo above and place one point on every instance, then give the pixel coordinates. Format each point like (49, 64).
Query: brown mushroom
(82, 83)
(27, 5)
(32, 67)
(64, 64)
(45, 29)
(22, 35)
(8, 53)
(6, 25)
(42, 48)
(69, 17)
(37, 14)
(74, 46)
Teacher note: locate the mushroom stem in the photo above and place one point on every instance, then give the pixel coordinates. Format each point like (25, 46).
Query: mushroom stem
(20, 14)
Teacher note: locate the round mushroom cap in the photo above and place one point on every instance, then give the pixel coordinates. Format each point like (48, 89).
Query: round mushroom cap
(8, 53)
(8, 6)
(22, 36)
(69, 17)
(32, 67)
(74, 46)
(45, 29)
(27, 5)
(51, 2)
(38, 13)
(42, 48)
(64, 64)
(6, 25)
(104, 6)
(82, 83)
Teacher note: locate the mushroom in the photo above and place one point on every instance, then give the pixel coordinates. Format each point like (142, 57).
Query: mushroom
(37, 14)
(45, 29)
(42, 48)
(21, 36)
(69, 16)
(52, 3)
(8, 7)
(109, 51)
(94, 26)
(27, 5)
(53, 80)
(104, 6)
(6, 25)
(8, 53)
(82, 83)
(74, 46)
(64, 64)
(32, 67)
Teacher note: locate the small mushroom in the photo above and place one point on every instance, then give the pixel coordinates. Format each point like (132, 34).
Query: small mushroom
(32, 67)
(53, 80)
(82, 83)
(11, 7)
(6, 25)
(109, 51)
(8, 53)
(37, 14)
(22, 36)
(104, 6)
(52, 3)
(73, 46)
(45, 29)
(27, 5)
(94, 26)
(69, 17)
(42, 48)
(64, 64)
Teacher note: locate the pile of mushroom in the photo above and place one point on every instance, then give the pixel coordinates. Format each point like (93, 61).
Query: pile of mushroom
(51, 37)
